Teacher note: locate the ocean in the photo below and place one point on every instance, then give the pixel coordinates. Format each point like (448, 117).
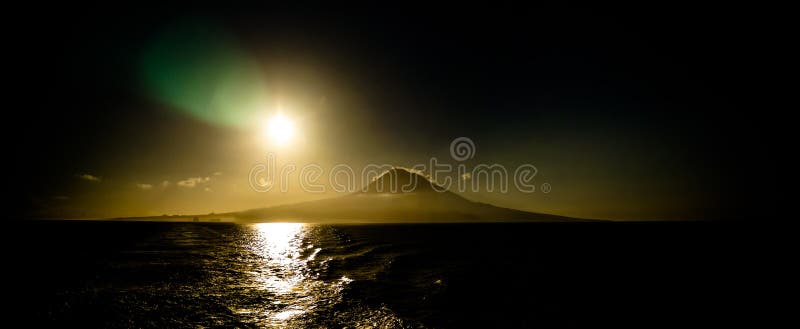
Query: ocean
(291, 275)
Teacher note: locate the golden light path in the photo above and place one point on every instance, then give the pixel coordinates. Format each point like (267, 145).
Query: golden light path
(287, 285)
(285, 273)
(280, 244)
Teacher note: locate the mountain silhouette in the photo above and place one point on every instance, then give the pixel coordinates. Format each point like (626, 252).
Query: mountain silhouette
(398, 195)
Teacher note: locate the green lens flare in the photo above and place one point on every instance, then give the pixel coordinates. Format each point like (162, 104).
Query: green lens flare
(201, 71)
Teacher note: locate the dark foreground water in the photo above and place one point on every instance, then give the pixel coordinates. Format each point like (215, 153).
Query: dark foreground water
(204, 275)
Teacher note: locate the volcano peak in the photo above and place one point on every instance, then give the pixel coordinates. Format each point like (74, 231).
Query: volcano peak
(402, 180)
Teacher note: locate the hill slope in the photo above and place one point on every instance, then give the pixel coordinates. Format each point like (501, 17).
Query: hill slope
(396, 196)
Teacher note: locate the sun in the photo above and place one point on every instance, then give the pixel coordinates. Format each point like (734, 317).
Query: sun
(280, 129)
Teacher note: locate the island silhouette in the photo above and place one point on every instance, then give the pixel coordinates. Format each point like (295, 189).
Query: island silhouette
(397, 195)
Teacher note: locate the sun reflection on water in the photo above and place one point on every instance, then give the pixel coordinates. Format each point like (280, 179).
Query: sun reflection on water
(285, 275)
(284, 270)
(280, 245)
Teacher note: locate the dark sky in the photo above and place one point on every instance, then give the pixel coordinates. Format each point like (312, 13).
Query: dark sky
(634, 112)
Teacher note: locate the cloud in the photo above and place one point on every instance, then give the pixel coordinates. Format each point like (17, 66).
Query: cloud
(208, 189)
(193, 181)
(165, 184)
(89, 177)
(217, 173)
(144, 186)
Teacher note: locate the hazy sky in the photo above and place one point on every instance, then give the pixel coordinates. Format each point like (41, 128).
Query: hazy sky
(164, 110)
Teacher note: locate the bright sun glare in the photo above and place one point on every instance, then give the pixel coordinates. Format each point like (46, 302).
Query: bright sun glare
(280, 129)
